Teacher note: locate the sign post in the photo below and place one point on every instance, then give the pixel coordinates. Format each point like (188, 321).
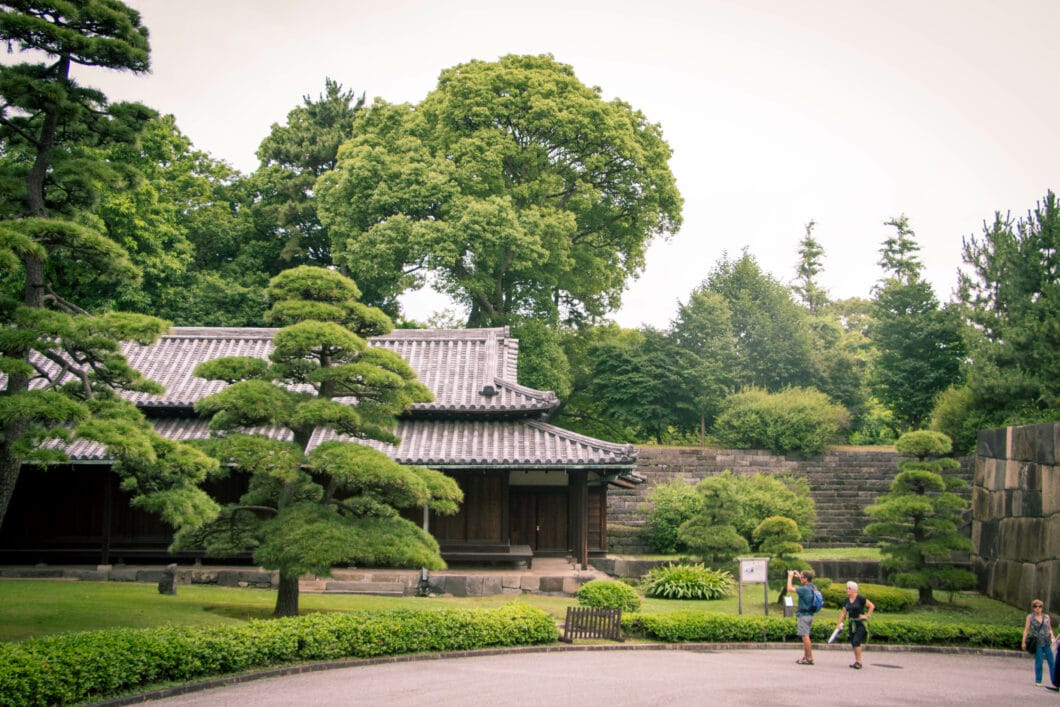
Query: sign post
(754, 570)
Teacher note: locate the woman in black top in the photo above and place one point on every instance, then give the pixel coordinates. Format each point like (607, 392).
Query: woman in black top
(859, 609)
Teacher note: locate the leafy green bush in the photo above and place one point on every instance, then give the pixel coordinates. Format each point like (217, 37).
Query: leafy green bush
(886, 599)
(92, 665)
(700, 626)
(672, 504)
(687, 582)
(801, 420)
(760, 496)
(609, 594)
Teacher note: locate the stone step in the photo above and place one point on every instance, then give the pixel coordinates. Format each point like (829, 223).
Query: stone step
(384, 588)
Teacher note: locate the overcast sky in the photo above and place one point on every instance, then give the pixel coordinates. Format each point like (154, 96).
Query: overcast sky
(846, 112)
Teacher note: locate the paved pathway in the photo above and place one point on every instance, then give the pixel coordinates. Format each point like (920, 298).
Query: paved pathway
(653, 677)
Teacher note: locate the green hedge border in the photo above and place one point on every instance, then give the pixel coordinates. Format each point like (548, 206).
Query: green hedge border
(697, 626)
(94, 665)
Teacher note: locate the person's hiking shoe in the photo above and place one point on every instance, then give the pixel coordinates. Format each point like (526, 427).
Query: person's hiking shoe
(856, 666)
(804, 661)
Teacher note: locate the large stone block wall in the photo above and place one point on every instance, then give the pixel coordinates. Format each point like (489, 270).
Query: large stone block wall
(842, 483)
(1016, 514)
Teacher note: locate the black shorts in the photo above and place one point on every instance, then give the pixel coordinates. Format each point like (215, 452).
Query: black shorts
(859, 633)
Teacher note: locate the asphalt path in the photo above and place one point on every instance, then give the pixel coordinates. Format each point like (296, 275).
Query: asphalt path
(653, 677)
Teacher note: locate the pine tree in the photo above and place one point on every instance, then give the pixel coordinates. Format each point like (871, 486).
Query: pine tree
(309, 508)
(917, 522)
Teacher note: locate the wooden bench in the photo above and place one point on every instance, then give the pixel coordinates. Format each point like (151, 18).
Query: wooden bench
(590, 622)
(488, 553)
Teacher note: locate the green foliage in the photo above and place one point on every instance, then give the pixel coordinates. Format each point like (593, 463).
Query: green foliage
(793, 420)
(516, 186)
(292, 157)
(609, 594)
(1010, 293)
(95, 665)
(337, 504)
(778, 536)
(700, 626)
(918, 521)
(956, 416)
(745, 502)
(919, 345)
(923, 443)
(760, 496)
(770, 336)
(887, 599)
(687, 582)
(672, 504)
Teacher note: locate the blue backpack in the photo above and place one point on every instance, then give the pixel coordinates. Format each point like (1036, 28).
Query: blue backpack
(818, 599)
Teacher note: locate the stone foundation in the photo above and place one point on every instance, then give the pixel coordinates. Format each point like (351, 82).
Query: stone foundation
(1016, 514)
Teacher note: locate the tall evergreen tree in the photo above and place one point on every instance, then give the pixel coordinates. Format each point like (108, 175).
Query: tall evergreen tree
(292, 157)
(919, 344)
(1011, 296)
(62, 365)
(806, 286)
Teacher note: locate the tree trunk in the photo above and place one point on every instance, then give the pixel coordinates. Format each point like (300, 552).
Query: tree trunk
(927, 596)
(287, 595)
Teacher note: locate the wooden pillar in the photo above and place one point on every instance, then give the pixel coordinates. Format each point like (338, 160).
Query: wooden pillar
(579, 509)
(108, 517)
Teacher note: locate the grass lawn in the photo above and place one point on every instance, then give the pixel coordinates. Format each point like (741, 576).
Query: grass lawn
(38, 607)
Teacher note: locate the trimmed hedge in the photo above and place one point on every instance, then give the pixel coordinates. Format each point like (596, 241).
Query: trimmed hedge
(698, 626)
(609, 594)
(886, 599)
(92, 665)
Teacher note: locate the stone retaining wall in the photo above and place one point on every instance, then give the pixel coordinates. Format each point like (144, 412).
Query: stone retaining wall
(1016, 514)
(842, 483)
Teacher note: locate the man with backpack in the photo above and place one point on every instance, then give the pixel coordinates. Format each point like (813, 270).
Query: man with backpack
(810, 602)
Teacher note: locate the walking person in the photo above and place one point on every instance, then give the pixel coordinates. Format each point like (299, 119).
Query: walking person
(803, 612)
(858, 609)
(1038, 628)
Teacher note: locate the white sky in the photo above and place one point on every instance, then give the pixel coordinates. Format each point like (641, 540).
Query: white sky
(847, 112)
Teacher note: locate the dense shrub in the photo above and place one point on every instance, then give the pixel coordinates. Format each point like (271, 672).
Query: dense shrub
(800, 420)
(687, 582)
(672, 504)
(886, 599)
(609, 594)
(91, 665)
(700, 626)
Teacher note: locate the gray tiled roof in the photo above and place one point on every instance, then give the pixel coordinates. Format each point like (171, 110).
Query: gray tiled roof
(442, 443)
(463, 426)
(455, 364)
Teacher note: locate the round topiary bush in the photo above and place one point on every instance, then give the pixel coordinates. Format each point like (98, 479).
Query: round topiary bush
(608, 594)
(889, 599)
(687, 582)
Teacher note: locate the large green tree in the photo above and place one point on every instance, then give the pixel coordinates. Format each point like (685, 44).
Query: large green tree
(919, 344)
(318, 498)
(1010, 294)
(512, 187)
(770, 335)
(293, 156)
(62, 365)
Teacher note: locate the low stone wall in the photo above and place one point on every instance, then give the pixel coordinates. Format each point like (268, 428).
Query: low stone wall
(842, 483)
(1016, 514)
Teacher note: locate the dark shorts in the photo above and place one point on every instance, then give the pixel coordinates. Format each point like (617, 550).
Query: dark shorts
(858, 633)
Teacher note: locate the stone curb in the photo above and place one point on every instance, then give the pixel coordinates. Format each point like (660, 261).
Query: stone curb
(417, 657)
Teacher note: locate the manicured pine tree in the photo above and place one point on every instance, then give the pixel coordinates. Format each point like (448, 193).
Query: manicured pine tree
(62, 365)
(917, 523)
(309, 508)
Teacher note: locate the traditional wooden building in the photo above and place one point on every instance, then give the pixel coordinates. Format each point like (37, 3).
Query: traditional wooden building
(529, 487)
